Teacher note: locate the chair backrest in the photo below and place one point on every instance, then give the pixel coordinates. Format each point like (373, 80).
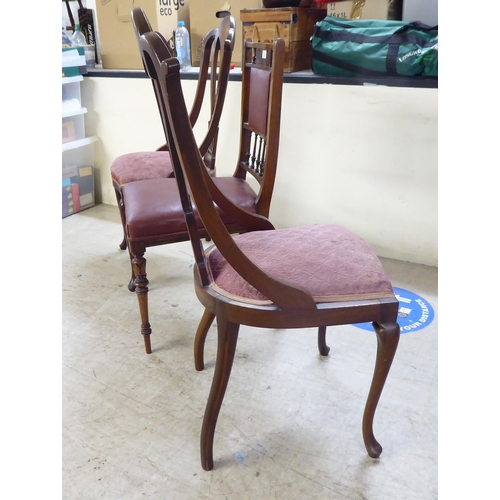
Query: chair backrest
(215, 64)
(190, 170)
(142, 26)
(215, 61)
(262, 84)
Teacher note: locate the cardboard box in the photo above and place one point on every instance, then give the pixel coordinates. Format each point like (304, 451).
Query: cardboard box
(366, 9)
(119, 48)
(203, 18)
(294, 25)
(341, 9)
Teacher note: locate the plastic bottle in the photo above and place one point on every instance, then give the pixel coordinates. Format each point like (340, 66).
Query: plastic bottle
(182, 46)
(78, 38)
(66, 40)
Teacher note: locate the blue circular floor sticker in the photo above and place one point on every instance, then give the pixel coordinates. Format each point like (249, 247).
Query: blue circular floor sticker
(414, 312)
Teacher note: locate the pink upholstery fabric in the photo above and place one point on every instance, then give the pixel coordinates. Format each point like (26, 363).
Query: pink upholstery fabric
(153, 207)
(329, 261)
(132, 167)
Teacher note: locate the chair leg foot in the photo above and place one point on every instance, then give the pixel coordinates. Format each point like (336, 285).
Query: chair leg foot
(199, 340)
(123, 244)
(147, 342)
(227, 334)
(387, 343)
(322, 347)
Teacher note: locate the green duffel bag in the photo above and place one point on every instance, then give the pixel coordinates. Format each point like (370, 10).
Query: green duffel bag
(347, 47)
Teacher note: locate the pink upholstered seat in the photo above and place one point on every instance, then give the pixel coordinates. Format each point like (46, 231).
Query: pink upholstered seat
(340, 265)
(133, 167)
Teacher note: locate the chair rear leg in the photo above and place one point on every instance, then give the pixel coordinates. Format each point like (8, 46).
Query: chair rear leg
(121, 208)
(199, 340)
(123, 244)
(131, 283)
(387, 343)
(322, 347)
(141, 288)
(227, 334)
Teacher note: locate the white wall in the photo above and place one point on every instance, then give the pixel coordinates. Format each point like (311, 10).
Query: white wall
(362, 156)
(421, 10)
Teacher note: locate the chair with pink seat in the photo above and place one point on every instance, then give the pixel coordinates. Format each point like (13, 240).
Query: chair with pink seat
(299, 277)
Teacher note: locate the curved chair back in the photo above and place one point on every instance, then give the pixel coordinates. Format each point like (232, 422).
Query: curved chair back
(215, 65)
(216, 58)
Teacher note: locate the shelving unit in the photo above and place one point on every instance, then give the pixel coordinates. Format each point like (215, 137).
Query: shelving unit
(77, 151)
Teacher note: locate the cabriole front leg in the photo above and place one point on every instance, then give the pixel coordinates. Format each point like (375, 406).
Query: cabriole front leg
(387, 343)
(226, 347)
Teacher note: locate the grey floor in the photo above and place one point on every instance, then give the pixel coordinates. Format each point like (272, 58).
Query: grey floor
(290, 425)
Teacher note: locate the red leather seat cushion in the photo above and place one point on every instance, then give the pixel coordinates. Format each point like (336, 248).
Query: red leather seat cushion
(153, 207)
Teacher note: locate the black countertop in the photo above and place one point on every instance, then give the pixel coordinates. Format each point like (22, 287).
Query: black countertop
(306, 76)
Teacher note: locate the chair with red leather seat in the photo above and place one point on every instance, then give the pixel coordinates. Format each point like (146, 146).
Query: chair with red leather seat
(153, 211)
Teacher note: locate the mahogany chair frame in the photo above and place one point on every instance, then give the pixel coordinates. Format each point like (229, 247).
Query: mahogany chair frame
(291, 306)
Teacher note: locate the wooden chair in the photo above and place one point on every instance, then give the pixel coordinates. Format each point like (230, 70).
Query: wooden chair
(153, 211)
(299, 277)
(136, 166)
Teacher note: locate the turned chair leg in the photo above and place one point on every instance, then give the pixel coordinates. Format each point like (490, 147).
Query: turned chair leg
(387, 343)
(227, 334)
(121, 208)
(199, 340)
(141, 288)
(322, 347)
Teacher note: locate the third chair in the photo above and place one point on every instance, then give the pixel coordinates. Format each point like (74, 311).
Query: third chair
(214, 69)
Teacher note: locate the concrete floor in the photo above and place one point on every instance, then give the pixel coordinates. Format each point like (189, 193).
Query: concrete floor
(290, 425)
